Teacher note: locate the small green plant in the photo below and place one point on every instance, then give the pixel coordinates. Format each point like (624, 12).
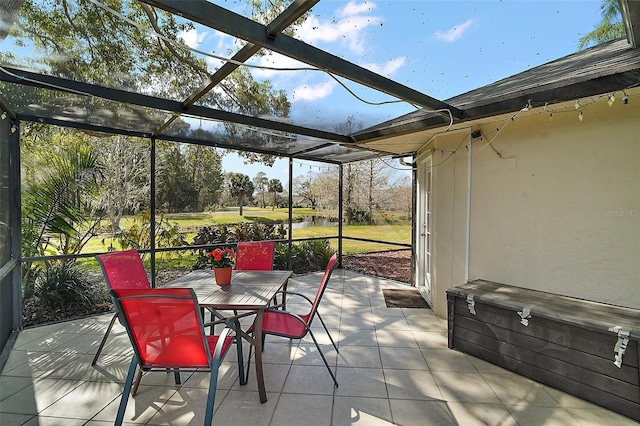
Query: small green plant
(138, 235)
(306, 256)
(65, 287)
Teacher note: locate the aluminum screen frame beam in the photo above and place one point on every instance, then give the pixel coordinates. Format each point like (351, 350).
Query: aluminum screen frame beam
(17, 76)
(221, 19)
(279, 24)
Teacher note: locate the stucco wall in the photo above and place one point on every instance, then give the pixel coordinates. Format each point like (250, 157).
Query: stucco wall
(449, 193)
(563, 216)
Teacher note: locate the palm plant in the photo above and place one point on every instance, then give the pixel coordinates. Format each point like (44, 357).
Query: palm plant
(610, 28)
(56, 216)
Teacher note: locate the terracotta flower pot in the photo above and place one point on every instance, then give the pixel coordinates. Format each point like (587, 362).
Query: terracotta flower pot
(223, 275)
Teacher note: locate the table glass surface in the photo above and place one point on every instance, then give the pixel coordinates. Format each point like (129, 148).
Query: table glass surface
(248, 289)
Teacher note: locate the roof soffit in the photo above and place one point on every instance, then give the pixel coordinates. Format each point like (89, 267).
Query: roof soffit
(603, 68)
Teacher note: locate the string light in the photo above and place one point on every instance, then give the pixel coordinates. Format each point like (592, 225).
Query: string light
(580, 116)
(625, 100)
(611, 99)
(4, 115)
(577, 103)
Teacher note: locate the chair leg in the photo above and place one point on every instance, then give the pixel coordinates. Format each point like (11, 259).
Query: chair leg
(211, 397)
(327, 330)
(126, 391)
(241, 375)
(104, 340)
(323, 357)
(136, 383)
(246, 377)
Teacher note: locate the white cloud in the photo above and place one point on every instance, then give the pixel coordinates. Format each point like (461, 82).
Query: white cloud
(387, 69)
(348, 28)
(353, 8)
(454, 33)
(311, 93)
(192, 38)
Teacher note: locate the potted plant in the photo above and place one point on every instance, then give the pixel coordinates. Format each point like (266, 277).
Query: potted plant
(222, 261)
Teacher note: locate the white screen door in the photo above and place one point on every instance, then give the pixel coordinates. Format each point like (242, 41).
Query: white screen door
(423, 229)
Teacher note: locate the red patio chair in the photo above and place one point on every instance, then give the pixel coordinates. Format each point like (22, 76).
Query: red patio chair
(166, 330)
(287, 324)
(255, 255)
(121, 269)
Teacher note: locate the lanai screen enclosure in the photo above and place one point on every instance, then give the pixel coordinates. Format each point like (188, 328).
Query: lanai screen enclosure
(121, 69)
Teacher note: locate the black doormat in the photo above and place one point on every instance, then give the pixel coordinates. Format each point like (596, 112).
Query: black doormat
(401, 298)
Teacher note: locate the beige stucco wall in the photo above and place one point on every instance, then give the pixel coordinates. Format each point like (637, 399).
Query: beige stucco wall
(563, 216)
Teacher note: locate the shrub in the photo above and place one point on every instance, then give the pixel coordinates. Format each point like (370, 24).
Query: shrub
(229, 235)
(138, 235)
(306, 256)
(63, 290)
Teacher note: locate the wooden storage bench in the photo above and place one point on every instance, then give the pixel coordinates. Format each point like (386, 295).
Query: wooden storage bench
(584, 348)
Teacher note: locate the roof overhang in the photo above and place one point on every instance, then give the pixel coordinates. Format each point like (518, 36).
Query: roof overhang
(606, 68)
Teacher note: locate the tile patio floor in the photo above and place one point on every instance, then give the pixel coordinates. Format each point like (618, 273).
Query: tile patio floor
(394, 368)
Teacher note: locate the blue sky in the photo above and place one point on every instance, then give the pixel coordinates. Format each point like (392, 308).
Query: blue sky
(441, 48)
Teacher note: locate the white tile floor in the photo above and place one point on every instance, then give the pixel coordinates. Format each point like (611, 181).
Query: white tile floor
(394, 368)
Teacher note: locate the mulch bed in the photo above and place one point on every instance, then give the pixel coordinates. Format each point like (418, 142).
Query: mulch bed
(394, 264)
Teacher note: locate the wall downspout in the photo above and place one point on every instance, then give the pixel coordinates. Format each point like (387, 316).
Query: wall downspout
(414, 218)
(468, 231)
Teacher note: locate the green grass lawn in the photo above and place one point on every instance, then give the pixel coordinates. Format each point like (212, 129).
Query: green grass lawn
(391, 229)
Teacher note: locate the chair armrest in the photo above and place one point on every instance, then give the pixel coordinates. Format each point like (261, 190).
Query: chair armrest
(217, 353)
(293, 293)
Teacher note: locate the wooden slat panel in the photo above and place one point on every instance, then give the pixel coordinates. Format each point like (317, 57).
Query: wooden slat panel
(594, 363)
(561, 368)
(595, 343)
(597, 396)
(582, 313)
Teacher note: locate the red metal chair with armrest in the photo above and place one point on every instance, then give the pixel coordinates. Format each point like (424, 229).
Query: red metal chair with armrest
(286, 324)
(166, 330)
(255, 255)
(121, 269)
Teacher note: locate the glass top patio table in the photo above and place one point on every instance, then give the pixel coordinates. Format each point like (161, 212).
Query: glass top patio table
(249, 290)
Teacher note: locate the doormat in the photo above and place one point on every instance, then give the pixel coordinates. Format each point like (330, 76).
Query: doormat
(400, 298)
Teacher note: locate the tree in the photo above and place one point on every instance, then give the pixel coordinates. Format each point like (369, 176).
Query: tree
(610, 28)
(275, 187)
(377, 181)
(82, 41)
(351, 174)
(261, 184)
(125, 179)
(205, 166)
(240, 188)
(303, 187)
(175, 190)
